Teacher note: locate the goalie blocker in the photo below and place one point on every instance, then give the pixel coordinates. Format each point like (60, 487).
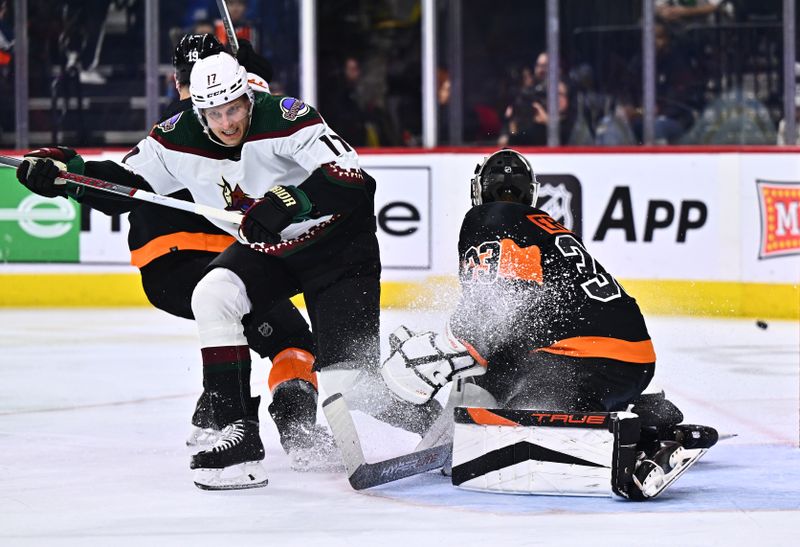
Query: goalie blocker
(561, 453)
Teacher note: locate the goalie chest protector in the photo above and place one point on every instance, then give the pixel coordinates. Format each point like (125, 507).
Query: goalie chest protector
(558, 453)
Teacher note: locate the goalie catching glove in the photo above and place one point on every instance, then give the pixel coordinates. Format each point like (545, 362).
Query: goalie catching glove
(422, 363)
(280, 206)
(39, 170)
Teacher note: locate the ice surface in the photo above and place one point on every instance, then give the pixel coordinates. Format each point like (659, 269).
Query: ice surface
(95, 407)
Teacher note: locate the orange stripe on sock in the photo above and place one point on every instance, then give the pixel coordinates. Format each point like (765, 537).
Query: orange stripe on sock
(484, 417)
(292, 364)
(608, 348)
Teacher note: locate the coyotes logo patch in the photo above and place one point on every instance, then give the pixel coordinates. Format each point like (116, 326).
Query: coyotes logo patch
(169, 124)
(293, 108)
(236, 199)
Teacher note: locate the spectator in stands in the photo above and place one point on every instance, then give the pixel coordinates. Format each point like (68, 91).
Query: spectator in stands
(782, 124)
(680, 87)
(6, 37)
(680, 12)
(82, 37)
(344, 106)
(526, 119)
(443, 90)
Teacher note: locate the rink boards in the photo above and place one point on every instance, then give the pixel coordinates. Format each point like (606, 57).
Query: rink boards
(713, 233)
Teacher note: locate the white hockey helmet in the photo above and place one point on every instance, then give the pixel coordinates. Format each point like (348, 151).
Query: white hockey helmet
(505, 175)
(216, 80)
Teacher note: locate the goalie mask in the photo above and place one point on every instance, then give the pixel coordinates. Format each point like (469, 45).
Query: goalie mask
(215, 81)
(505, 176)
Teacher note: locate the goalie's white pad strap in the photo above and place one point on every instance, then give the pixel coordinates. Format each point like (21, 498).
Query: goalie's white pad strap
(537, 452)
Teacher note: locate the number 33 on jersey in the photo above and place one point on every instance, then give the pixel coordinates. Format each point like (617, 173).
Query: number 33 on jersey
(534, 249)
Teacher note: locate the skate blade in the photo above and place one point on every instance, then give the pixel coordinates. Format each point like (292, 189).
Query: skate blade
(692, 456)
(235, 477)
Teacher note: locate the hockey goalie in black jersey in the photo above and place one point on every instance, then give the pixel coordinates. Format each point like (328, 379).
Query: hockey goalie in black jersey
(540, 324)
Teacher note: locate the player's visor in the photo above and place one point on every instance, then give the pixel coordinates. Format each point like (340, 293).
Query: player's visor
(227, 114)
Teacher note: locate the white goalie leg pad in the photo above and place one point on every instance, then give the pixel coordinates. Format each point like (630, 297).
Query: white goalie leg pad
(235, 477)
(219, 302)
(539, 452)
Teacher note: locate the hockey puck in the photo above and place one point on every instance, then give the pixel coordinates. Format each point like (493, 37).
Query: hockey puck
(762, 324)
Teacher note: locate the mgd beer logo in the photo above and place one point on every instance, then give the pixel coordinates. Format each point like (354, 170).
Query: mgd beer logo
(779, 204)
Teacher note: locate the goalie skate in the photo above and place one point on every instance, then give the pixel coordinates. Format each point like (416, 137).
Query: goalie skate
(233, 462)
(656, 474)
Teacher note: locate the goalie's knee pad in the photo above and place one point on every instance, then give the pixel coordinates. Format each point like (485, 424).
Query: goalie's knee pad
(219, 302)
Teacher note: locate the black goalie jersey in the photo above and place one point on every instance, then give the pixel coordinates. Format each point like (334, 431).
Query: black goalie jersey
(530, 287)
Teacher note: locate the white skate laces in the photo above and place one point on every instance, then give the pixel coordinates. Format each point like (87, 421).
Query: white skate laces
(230, 436)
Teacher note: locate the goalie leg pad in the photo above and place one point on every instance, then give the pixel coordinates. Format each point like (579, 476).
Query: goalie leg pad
(540, 452)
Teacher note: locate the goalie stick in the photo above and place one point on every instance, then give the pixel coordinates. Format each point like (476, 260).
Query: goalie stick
(142, 195)
(363, 475)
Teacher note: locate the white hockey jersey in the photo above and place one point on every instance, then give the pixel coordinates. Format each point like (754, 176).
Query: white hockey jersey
(287, 141)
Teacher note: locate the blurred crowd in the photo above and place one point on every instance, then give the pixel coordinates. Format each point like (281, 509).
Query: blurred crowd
(718, 69)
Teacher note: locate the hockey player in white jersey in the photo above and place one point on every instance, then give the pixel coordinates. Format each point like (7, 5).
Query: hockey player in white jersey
(308, 227)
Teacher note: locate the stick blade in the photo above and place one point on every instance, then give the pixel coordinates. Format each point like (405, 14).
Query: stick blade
(344, 432)
(369, 475)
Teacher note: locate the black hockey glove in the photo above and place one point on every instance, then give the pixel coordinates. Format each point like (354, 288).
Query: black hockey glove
(39, 170)
(253, 62)
(280, 206)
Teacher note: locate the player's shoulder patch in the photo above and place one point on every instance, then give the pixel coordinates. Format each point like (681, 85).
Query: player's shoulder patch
(170, 123)
(183, 132)
(292, 108)
(280, 116)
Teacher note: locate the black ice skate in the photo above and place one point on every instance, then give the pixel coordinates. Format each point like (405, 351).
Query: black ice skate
(694, 436)
(309, 445)
(234, 461)
(655, 474)
(205, 430)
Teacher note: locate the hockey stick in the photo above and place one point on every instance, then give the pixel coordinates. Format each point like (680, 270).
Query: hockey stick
(366, 475)
(142, 195)
(226, 21)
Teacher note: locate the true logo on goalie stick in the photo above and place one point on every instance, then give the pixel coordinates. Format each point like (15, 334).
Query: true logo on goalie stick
(293, 108)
